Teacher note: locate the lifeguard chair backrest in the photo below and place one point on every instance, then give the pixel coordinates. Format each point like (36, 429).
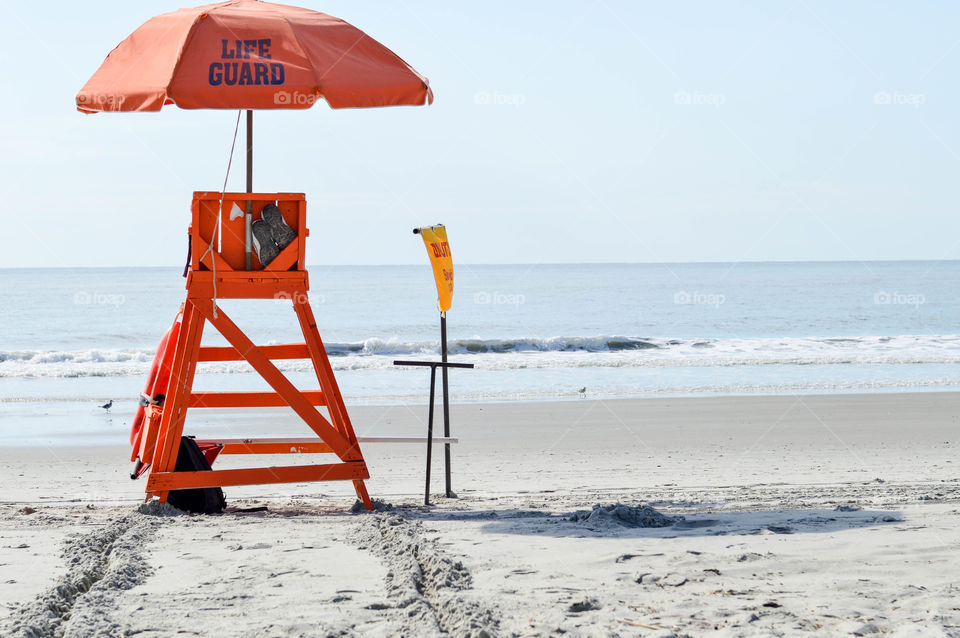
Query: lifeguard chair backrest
(230, 243)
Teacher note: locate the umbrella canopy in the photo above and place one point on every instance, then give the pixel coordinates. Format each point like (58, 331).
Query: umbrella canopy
(245, 54)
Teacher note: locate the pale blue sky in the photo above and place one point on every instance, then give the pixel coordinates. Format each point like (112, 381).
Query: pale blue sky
(615, 131)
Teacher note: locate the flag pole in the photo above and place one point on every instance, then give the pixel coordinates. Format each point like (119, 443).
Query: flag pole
(446, 403)
(441, 250)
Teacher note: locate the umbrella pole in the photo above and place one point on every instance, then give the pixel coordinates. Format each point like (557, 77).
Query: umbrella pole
(248, 218)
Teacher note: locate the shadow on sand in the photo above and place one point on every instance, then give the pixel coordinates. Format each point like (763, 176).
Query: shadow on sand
(545, 523)
(788, 521)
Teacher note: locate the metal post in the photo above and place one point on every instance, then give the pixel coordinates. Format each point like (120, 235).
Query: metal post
(433, 379)
(446, 403)
(248, 218)
(433, 382)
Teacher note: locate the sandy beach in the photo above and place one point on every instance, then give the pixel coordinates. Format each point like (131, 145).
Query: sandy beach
(827, 515)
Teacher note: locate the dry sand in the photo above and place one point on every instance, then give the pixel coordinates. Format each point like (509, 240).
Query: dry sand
(820, 515)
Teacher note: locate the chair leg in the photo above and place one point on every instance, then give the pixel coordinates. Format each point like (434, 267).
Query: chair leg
(362, 494)
(181, 383)
(324, 372)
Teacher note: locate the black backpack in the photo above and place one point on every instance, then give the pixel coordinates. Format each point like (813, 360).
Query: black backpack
(201, 500)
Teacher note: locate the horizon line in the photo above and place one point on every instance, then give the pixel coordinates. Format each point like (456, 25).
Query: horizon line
(543, 263)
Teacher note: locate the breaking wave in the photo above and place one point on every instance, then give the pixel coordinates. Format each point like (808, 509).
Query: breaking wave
(532, 352)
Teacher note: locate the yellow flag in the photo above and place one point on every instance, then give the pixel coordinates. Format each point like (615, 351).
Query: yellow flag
(438, 248)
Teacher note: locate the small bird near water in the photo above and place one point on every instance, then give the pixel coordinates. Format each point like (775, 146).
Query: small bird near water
(106, 406)
(583, 391)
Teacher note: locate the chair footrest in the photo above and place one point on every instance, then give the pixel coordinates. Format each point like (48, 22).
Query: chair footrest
(306, 445)
(164, 481)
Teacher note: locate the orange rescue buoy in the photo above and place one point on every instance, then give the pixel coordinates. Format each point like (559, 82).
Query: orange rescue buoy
(156, 383)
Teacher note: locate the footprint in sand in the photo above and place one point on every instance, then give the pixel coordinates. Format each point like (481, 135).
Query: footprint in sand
(521, 572)
(749, 557)
(670, 580)
(780, 529)
(589, 604)
(688, 524)
(625, 557)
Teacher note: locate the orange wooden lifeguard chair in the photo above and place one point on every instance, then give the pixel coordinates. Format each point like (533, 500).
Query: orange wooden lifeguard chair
(218, 270)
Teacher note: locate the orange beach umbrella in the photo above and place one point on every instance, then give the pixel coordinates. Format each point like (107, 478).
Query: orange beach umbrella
(250, 55)
(245, 54)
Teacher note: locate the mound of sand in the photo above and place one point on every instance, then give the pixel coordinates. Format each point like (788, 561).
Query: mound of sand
(156, 508)
(378, 506)
(623, 516)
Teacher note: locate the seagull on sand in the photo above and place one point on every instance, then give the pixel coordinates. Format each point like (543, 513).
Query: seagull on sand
(106, 406)
(583, 391)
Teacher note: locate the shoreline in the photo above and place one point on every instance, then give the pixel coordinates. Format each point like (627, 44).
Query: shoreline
(361, 413)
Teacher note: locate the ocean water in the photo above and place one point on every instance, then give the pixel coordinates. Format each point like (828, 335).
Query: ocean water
(72, 338)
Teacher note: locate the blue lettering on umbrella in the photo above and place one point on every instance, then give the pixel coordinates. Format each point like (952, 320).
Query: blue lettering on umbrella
(216, 74)
(230, 78)
(276, 73)
(262, 73)
(246, 73)
(224, 53)
(263, 49)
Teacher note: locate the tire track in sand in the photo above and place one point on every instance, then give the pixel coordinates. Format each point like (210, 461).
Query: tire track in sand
(99, 565)
(426, 586)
